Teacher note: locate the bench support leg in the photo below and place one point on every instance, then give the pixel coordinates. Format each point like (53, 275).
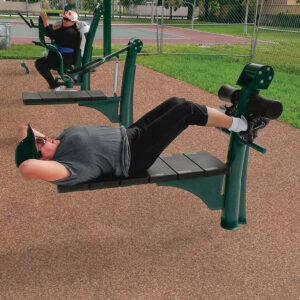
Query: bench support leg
(209, 189)
(109, 107)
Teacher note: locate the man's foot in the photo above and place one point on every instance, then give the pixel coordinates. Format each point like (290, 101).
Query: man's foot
(228, 110)
(254, 124)
(59, 88)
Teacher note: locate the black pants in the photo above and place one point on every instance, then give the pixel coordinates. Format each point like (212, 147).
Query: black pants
(50, 62)
(151, 134)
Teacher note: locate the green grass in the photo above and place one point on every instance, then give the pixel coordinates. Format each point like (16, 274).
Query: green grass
(209, 73)
(22, 51)
(278, 49)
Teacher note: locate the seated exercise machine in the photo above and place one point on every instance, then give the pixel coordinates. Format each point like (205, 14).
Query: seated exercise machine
(118, 109)
(83, 52)
(222, 186)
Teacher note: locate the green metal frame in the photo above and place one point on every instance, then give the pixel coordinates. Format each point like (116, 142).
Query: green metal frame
(118, 109)
(228, 192)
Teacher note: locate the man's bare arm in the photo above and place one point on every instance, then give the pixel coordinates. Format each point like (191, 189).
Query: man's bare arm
(44, 170)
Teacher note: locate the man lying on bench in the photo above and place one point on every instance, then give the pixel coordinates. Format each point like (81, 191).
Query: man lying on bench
(83, 153)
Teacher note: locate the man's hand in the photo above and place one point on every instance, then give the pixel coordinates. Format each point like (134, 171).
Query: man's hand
(44, 18)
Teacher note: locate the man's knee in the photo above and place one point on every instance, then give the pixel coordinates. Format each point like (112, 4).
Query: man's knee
(176, 100)
(40, 63)
(198, 112)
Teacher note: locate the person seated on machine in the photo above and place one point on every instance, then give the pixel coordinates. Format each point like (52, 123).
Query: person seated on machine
(84, 153)
(66, 36)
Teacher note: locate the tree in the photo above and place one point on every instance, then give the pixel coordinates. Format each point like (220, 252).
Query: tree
(127, 3)
(175, 4)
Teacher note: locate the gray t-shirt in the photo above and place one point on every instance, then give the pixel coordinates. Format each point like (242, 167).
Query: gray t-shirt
(90, 152)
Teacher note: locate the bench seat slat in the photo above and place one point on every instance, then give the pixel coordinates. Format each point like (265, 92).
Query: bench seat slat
(183, 166)
(134, 180)
(30, 97)
(165, 168)
(48, 95)
(97, 94)
(66, 96)
(210, 164)
(104, 184)
(160, 171)
(71, 95)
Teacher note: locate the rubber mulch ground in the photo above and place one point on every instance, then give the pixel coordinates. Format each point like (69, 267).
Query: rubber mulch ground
(144, 242)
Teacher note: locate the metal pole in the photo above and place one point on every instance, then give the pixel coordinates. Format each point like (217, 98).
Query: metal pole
(107, 28)
(157, 30)
(194, 6)
(162, 26)
(246, 18)
(152, 12)
(255, 30)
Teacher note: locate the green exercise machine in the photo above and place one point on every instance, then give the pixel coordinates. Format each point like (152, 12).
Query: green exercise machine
(83, 56)
(222, 186)
(118, 108)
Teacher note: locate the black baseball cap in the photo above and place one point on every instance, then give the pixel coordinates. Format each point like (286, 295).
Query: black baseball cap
(26, 149)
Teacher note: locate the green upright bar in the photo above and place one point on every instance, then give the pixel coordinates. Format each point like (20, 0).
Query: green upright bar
(107, 28)
(242, 208)
(88, 51)
(126, 104)
(253, 78)
(234, 180)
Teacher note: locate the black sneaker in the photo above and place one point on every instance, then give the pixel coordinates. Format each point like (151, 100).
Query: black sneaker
(254, 124)
(228, 110)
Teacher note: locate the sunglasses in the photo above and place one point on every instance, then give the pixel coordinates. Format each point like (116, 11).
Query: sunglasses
(40, 141)
(65, 19)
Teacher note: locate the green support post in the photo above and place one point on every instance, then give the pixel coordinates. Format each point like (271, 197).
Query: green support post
(88, 50)
(126, 105)
(125, 100)
(107, 28)
(253, 78)
(230, 197)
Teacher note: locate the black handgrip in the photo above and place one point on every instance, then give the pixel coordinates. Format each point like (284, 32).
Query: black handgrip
(229, 94)
(265, 107)
(52, 14)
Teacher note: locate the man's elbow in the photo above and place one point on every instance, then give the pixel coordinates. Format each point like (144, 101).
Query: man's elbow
(23, 131)
(26, 171)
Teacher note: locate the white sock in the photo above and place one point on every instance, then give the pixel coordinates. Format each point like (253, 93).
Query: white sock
(238, 124)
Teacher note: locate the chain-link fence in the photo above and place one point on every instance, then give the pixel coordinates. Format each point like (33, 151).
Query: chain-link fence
(209, 27)
(212, 27)
(279, 25)
(223, 27)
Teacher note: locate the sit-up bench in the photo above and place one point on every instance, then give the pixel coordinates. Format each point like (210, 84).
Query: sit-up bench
(172, 170)
(220, 185)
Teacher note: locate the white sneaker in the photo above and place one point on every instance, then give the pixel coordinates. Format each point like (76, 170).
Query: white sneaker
(59, 88)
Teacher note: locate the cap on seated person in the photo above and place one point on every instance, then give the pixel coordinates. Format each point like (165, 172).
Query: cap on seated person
(26, 149)
(70, 15)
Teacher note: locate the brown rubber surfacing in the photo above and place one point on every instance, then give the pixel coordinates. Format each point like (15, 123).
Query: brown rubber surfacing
(144, 241)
